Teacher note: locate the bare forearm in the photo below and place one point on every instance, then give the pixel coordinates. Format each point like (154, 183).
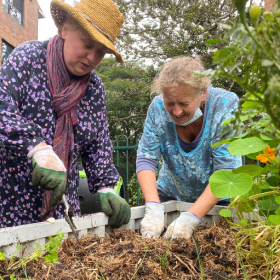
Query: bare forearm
(147, 182)
(204, 203)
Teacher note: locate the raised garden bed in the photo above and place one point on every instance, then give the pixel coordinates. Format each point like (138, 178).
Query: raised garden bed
(124, 254)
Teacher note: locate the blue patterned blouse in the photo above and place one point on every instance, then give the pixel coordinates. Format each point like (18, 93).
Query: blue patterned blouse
(27, 118)
(184, 176)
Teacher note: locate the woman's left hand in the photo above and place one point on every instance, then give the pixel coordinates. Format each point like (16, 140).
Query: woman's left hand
(115, 207)
(183, 226)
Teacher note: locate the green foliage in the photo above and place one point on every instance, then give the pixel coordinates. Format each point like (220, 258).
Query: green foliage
(52, 247)
(246, 146)
(2, 256)
(133, 192)
(225, 213)
(128, 98)
(127, 88)
(156, 30)
(224, 183)
(251, 57)
(162, 29)
(19, 247)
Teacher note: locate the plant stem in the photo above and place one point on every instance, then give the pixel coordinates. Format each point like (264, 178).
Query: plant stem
(139, 265)
(100, 271)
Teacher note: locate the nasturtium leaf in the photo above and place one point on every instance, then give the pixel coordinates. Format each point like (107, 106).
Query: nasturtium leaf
(272, 181)
(273, 169)
(250, 169)
(263, 185)
(275, 219)
(268, 204)
(265, 138)
(224, 183)
(277, 212)
(253, 155)
(277, 199)
(265, 169)
(246, 146)
(225, 213)
(268, 222)
(243, 222)
(221, 143)
(272, 143)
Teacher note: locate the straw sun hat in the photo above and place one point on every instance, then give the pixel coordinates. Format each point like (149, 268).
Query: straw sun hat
(100, 18)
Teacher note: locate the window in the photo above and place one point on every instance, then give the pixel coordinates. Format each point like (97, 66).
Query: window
(6, 50)
(14, 8)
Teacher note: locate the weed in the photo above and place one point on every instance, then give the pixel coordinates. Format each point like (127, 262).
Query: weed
(99, 269)
(139, 265)
(199, 261)
(52, 247)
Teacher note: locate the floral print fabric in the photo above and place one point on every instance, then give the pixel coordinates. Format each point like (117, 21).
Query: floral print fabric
(184, 176)
(27, 118)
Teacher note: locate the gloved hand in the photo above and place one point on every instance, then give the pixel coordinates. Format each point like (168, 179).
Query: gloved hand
(115, 207)
(183, 226)
(152, 224)
(49, 172)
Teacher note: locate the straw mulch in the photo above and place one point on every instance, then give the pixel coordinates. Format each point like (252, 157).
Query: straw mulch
(125, 255)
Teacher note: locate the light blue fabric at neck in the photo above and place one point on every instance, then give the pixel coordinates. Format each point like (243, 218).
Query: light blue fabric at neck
(197, 115)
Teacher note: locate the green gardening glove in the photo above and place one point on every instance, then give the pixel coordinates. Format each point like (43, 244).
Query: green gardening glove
(49, 172)
(115, 207)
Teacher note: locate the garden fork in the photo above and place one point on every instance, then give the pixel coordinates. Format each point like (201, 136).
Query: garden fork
(68, 217)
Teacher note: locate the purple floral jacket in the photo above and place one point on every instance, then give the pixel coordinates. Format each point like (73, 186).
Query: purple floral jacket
(27, 118)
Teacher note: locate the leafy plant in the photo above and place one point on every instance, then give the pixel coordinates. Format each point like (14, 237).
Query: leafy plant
(2, 256)
(253, 52)
(52, 247)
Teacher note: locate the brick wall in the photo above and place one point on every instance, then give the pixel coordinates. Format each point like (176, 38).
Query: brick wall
(268, 4)
(13, 32)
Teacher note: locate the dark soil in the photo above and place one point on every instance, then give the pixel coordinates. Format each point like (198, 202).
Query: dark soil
(124, 255)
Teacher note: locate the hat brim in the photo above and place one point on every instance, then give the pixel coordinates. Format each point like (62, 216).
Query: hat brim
(60, 9)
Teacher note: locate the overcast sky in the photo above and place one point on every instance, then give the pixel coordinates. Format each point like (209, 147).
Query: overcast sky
(47, 28)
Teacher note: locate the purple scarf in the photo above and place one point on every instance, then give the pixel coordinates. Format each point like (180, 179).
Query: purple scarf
(66, 94)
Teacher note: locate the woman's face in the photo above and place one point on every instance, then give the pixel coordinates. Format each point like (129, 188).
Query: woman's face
(182, 102)
(81, 54)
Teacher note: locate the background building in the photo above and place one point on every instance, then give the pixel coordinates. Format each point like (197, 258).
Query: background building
(18, 23)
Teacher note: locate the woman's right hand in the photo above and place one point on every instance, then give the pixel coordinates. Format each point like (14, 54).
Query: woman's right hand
(152, 224)
(49, 172)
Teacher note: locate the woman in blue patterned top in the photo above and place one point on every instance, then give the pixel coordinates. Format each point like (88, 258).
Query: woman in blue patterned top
(181, 125)
(52, 112)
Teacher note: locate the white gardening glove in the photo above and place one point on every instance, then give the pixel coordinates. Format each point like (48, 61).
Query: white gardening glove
(183, 226)
(152, 224)
(47, 158)
(49, 172)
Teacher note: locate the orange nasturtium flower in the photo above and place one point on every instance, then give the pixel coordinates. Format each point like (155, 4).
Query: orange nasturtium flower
(267, 156)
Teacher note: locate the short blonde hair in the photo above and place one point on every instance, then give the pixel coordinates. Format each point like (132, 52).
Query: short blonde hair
(179, 71)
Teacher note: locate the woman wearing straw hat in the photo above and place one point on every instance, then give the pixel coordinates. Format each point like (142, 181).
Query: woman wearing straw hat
(52, 112)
